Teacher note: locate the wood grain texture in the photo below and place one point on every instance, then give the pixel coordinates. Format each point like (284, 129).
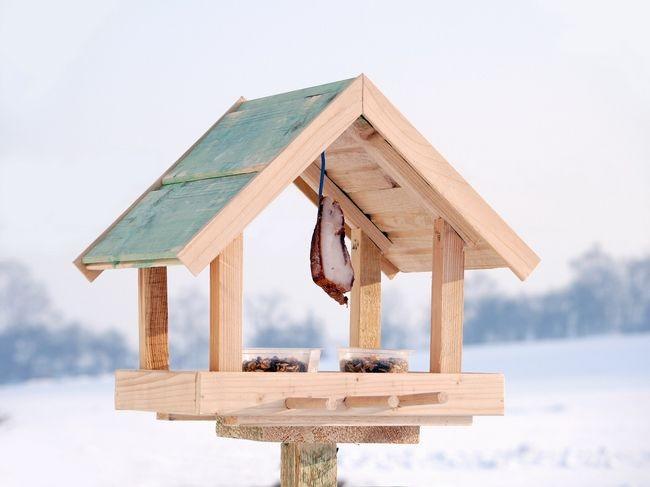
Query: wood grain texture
(365, 297)
(385, 200)
(157, 391)
(447, 300)
(278, 174)
(226, 308)
(460, 204)
(370, 180)
(153, 318)
(401, 221)
(405, 207)
(263, 395)
(91, 275)
(321, 434)
(308, 465)
(250, 137)
(165, 219)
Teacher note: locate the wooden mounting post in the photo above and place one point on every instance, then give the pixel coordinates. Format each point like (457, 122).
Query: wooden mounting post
(447, 299)
(226, 297)
(365, 306)
(308, 465)
(152, 318)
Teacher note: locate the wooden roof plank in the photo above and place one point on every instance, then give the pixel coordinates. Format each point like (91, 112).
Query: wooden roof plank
(92, 274)
(165, 219)
(326, 127)
(254, 134)
(473, 218)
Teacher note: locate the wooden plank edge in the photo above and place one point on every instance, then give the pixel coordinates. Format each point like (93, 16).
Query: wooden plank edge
(522, 260)
(90, 274)
(214, 175)
(128, 380)
(210, 240)
(304, 421)
(139, 264)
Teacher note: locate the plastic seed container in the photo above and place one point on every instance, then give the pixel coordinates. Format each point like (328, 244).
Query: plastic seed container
(280, 359)
(371, 360)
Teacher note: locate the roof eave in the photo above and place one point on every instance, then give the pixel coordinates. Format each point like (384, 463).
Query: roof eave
(341, 112)
(461, 205)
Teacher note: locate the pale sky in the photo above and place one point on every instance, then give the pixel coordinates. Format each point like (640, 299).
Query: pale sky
(544, 108)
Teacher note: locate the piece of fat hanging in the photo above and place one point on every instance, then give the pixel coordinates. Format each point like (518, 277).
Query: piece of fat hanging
(331, 268)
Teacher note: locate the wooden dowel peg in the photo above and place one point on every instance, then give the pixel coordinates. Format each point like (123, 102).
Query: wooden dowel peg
(371, 401)
(327, 403)
(422, 399)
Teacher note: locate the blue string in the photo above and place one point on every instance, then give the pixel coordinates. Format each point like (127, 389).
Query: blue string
(322, 175)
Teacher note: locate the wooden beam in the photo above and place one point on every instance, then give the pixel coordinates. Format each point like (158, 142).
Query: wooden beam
(352, 213)
(308, 465)
(263, 395)
(461, 205)
(132, 264)
(387, 267)
(226, 302)
(447, 299)
(92, 274)
(278, 174)
(365, 299)
(152, 312)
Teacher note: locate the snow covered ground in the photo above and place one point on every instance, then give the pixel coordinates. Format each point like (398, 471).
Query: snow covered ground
(577, 413)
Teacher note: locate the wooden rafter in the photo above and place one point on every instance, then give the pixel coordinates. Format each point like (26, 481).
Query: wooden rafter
(275, 177)
(92, 274)
(386, 172)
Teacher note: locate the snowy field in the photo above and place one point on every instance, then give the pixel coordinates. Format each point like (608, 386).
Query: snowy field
(577, 413)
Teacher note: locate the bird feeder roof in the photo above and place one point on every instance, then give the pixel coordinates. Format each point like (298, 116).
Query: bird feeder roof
(388, 179)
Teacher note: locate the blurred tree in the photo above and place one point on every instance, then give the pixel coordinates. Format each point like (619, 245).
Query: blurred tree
(36, 342)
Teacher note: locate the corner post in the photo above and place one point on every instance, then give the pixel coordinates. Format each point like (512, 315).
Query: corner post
(226, 303)
(365, 306)
(447, 299)
(153, 318)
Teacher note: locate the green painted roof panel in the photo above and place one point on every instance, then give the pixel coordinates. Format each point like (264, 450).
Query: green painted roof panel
(165, 220)
(219, 165)
(253, 135)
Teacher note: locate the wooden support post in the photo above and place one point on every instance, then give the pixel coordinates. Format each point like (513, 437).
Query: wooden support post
(226, 297)
(447, 299)
(152, 318)
(308, 465)
(365, 306)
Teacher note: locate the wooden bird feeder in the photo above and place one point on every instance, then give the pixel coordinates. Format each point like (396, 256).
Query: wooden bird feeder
(406, 210)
